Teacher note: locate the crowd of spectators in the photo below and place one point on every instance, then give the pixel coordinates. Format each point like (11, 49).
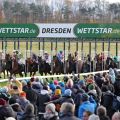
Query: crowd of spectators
(91, 97)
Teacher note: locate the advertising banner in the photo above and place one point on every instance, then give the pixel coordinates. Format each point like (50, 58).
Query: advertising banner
(60, 30)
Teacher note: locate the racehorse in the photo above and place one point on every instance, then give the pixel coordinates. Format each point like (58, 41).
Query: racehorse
(2, 68)
(75, 66)
(44, 67)
(8, 61)
(32, 66)
(13, 66)
(70, 64)
(110, 63)
(57, 66)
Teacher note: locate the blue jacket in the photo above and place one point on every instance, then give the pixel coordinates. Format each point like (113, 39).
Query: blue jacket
(86, 106)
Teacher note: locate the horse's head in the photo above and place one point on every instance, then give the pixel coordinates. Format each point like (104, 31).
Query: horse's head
(8, 57)
(29, 61)
(55, 58)
(40, 60)
(70, 57)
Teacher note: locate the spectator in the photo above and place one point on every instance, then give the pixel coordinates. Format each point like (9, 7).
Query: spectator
(17, 109)
(50, 113)
(117, 85)
(29, 113)
(85, 105)
(10, 118)
(62, 85)
(31, 95)
(92, 91)
(14, 88)
(112, 75)
(65, 98)
(77, 93)
(116, 116)
(86, 115)
(99, 79)
(23, 102)
(93, 117)
(57, 94)
(107, 100)
(44, 94)
(67, 112)
(52, 86)
(102, 113)
(5, 110)
(69, 83)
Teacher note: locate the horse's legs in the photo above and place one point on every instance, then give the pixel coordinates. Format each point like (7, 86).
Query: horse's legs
(20, 73)
(7, 73)
(4, 74)
(49, 73)
(0, 75)
(30, 74)
(34, 73)
(25, 74)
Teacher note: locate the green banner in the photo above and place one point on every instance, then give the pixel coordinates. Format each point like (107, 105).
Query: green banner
(97, 30)
(18, 30)
(60, 30)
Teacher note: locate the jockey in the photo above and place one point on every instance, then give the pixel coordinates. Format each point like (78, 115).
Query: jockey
(47, 57)
(34, 58)
(76, 56)
(17, 55)
(60, 56)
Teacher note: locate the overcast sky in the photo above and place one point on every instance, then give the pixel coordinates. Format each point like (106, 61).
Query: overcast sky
(112, 1)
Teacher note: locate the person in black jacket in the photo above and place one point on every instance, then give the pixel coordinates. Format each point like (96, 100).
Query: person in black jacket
(65, 98)
(31, 95)
(107, 100)
(67, 112)
(77, 93)
(117, 86)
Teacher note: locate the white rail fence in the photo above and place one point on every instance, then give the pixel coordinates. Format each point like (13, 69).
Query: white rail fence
(55, 76)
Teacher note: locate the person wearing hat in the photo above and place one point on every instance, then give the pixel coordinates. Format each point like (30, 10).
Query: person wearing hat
(50, 112)
(52, 86)
(47, 57)
(67, 97)
(86, 105)
(23, 102)
(57, 94)
(60, 56)
(5, 110)
(62, 85)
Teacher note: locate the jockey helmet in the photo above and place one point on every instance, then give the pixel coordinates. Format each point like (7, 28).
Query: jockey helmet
(61, 51)
(45, 53)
